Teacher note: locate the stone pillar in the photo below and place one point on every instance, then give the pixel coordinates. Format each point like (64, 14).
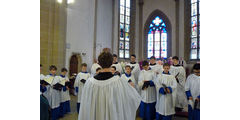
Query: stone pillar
(52, 34)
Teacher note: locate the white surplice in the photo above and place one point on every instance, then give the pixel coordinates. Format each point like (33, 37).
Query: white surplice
(181, 99)
(94, 67)
(55, 94)
(127, 78)
(156, 68)
(118, 67)
(193, 84)
(166, 103)
(64, 94)
(79, 84)
(111, 99)
(148, 95)
(135, 71)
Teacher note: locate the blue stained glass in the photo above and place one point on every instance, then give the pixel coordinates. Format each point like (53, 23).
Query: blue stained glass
(151, 25)
(150, 31)
(157, 26)
(163, 24)
(164, 30)
(157, 21)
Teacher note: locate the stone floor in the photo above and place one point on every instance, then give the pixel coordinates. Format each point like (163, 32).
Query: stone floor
(74, 116)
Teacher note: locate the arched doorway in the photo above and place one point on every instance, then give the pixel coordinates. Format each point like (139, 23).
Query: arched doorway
(73, 65)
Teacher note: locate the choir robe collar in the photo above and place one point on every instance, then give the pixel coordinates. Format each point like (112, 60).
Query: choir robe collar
(176, 65)
(166, 73)
(63, 76)
(128, 75)
(84, 72)
(132, 62)
(51, 74)
(103, 76)
(115, 63)
(153, 64)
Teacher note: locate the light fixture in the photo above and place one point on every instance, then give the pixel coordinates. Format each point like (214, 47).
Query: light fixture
(59, 1)
(70, 1)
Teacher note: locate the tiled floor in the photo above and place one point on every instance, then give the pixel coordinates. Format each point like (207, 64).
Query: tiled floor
(74, 116)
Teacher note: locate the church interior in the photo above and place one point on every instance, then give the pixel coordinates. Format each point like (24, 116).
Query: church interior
(73, 32)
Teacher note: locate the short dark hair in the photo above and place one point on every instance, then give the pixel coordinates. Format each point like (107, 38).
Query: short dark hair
(145, 62)
(175, 57)
(64, 70)
(196, 66)
(105, 59)
(166, 64)
(52, 67)
(40, 65)
(84, 64)
(98, 69)
(153, 58)
(114, 67)
(133, 55)
(127, 66)
(114, 55)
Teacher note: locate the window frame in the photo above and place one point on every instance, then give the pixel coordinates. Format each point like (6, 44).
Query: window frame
(198, 31)
(124, 29)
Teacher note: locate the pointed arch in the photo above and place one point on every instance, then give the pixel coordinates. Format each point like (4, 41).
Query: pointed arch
(147, 28)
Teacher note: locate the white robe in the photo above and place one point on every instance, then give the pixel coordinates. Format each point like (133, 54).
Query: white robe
(112, 99)
(193, 84)
(94, 67)
(157, 68)
(135, 72)
(55, 94)
(148, 95)
(166, 103)
(48, 91)
(79, 84)
(64, 94)
(124, 77)
(118, 67)
(181, 99)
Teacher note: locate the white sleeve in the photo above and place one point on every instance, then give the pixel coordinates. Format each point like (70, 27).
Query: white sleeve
(182, 77)
(77, 80)
(140, 79)
(133, 79)
(120, 68)
(174, 84)
(89, 75)
(187, 85)
(92, 69)
(136, 69)
(157, 83)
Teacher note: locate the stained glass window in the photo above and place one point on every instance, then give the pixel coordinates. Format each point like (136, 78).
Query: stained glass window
(157, 39)
(195, 30)
(124, 29)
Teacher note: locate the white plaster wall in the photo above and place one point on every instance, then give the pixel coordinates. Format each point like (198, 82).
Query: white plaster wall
(168, 7)
(104, 25)
(80, 30)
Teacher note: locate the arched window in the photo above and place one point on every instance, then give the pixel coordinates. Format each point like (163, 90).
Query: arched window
(124, 25)
(195, 30)
(157, 39)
